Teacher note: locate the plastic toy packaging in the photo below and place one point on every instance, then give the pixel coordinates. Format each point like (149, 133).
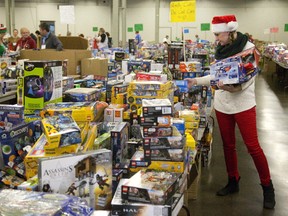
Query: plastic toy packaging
(18, 202)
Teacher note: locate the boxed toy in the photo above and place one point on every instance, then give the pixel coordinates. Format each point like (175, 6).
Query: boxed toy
(87, 175)
(140, 209)
(157, 107)
(150, 85)
(150, 186)
(119, 138)
(165, 155)
(189, 115)
(117, 89)
(80, 111)
(137, 160)
(161, 121)
(41, 84)
(68, 83)
(132, 99)
(192, 66)
(151, 76)
(16, 143)
(137, 66)
(148, 93)
(176, 141)
(61, 130)
(179, 124)
(30, 185)
(81, 95)
(169, 166)
(236, 69)
(10, 116)
(4, 64)
(157, 131)
(117, 175)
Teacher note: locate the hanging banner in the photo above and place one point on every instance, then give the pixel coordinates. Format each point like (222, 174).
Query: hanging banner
(67, 14)
(183, 11)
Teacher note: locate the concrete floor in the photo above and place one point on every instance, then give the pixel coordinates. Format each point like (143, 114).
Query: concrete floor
(272, 120)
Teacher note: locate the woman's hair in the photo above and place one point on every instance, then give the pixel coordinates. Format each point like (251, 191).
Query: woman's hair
(232, 36)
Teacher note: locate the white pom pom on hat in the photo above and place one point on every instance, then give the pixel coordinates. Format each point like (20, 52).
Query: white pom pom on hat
(226, 23)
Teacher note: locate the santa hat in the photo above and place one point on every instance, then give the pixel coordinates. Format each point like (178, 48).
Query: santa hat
(3, 29)
(226, 23)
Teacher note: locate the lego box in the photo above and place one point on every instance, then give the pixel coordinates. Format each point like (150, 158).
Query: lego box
(161, 121)
(157, 107)
(150, 85)
(41, 84)
(151, 131)
(87, 175)
(81, 95)
(10, 116)
(165, 155)
(61, 130)
(150, 186)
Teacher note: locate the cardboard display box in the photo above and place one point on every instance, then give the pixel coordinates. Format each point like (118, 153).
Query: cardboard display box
(74, 42)
(94, 66)
(74, 57)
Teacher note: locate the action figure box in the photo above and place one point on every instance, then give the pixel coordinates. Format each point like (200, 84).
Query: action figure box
(236, 69)
(87, 175)
(150, 85)
(140, 209)
(150, 186)
(119, 138)
(80, 111)
(175, 141)
(61, 130)
(10, 116)
(151, 131)
(161, 121)
(138, 160)
(81, 95)
(177, 155)
(156, 107)
(16, 143)
(41, 84)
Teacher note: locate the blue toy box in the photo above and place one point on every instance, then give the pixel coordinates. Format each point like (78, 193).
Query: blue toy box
(10, 116)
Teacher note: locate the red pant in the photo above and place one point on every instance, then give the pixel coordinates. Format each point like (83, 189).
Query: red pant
(246, 122)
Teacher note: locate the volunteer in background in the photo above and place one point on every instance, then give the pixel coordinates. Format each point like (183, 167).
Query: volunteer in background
(48, 39)
(12, 41)
(236, 104)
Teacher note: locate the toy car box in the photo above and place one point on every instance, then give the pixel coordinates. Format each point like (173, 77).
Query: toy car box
(80, 111)
(87, 175)
(175, 141)
(10, 116)
(16, 143)
(119, 138)
(140, 209)
(156, 107)
(151, 131)
(41, 84)
(236, 69)
(150, 186)
(81, 95)
(61, 130)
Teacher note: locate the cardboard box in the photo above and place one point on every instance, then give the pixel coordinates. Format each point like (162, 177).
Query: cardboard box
(94, 66)
(74, 57)
(74, 42)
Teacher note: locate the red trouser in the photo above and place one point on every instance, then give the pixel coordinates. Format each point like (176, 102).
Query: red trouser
(246, 122)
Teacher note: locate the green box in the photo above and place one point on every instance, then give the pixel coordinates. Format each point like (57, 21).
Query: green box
(41, 84)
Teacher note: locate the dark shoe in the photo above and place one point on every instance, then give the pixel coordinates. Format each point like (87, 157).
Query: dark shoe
(230, 188)
(269, 196)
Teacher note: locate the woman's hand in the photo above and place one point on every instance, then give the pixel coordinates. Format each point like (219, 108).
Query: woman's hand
(191, 82)
(230, 88)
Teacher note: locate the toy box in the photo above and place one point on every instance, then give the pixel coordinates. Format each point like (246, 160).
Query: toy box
(148, 93)
(132, 99)
(236, 69)
(137, 66)
(80, 111)
(157, 107)
(151, 131)
(81, 95)
(41, 84)
(192, 66)
(176, 141)
(137, 160)
(119, 138)
(150, 85)
(151, 76)
(179, 124)
(141, 209)
(189, 115)
(120, 98)
(68, 83)
(117, 89)
(87, 175)
(161, 121)
(169, 166)
(10, 116)
(30, 185)
(117, 175)
(5, 63)
(165, 155)
(150, 186)
(103, 141)
(16, 143)
(61, 130)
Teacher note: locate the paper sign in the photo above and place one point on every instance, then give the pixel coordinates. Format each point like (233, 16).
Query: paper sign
(274, 30)
(130, 29)
(95, 29)
(183, 11)
(138, 27)
(186, 31)
(205, 26)
(67, 14)
(286, 27)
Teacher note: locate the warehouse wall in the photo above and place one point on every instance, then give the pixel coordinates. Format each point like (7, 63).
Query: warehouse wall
(253, 17)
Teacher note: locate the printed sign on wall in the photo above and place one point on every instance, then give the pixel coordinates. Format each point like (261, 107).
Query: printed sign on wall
(183, 11)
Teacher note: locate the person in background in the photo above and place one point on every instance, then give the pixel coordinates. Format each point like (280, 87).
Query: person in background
(69, 34)
(197, 38)
(166, 39)
(110, 43)
(26, 41)
(3, 31)
(81, 35)
(138, 38)
(102, 39)
(236, 104)
(12, 41)
(48, 39)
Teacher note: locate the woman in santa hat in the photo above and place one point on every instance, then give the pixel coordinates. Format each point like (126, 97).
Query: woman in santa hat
(236, 104)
